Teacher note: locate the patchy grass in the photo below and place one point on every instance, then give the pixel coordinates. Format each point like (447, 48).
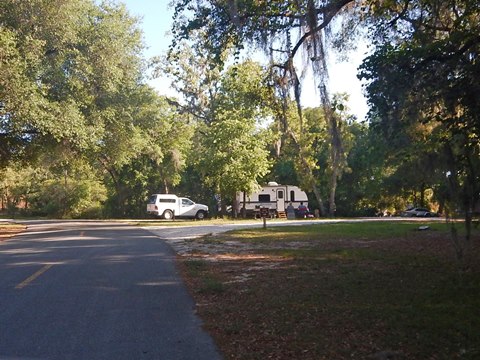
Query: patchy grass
(340, 291)
(209, 283)
(188, 222)
(8, 229)
(355, 230)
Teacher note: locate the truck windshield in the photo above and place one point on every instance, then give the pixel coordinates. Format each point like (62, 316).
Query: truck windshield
(187, 202)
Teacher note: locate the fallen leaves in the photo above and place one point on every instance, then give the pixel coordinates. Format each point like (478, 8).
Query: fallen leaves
(8, 230)
(345, 299)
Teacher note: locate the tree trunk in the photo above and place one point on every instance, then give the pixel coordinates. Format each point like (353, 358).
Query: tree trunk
(422, 195)
(244, 209)
(165, 187)
(118, 190)
(332, 207)
(466, 195)
(223, 205)
(337, 154)
(235, 206)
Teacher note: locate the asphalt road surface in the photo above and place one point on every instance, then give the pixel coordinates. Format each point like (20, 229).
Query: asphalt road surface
(94, 290)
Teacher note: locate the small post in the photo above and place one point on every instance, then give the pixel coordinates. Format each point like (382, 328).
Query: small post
(264, 212)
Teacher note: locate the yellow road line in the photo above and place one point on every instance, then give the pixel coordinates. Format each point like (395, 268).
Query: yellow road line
(33, 277)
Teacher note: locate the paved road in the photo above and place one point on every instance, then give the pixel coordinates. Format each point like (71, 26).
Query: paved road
(95, 291)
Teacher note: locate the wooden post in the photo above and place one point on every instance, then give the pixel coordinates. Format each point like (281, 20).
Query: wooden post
(264, 212)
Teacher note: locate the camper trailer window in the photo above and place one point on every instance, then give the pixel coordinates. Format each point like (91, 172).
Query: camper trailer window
(280, 194)
(292, 195)
(264, 197)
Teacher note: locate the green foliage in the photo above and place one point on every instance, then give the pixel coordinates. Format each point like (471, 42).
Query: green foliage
(229, 151)
(75, 56)
(228, 24)
(82, 135)
(162, 145)
(270, 26)
(234, 156)
(71, 82)
(361, 191)
(431, 114)
(195, 77)
(64, 199)
(54, 193)
(430, 51)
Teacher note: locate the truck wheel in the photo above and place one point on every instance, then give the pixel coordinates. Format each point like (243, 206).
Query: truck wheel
(200, 215)
(168, 215)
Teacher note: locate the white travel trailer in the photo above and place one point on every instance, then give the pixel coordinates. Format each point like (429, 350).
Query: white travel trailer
(273, 196)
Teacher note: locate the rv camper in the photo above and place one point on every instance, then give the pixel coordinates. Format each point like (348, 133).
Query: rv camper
(273, 196)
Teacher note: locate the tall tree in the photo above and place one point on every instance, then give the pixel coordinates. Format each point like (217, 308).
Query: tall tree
(234, 156)
(71, 77)
(430, 51)
(330, 143)
(362, 191)
(194, 77)
(228, 106)
(271, 26)
(64, 59)
(234, 152)
(147, 153)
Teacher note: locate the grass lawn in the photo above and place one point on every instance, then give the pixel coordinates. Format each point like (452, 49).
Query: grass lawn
(339, 291)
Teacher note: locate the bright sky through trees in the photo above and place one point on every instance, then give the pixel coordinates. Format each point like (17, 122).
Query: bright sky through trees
(156, 22)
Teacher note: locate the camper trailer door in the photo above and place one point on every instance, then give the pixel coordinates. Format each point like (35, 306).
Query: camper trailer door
(280, 200)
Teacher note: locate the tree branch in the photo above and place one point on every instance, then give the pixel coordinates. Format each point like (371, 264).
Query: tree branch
(329, 12)
(186, 110)
(450, 55)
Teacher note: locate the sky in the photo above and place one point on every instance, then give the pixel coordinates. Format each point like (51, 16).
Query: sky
(156, 20)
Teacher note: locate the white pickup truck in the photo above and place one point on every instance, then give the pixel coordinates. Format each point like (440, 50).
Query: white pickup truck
(169, 206)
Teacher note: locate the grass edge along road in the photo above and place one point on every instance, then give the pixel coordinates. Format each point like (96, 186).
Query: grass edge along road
(340, 291)
(8, 229)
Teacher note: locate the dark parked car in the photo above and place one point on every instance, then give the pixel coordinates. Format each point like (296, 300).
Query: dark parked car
(418, 212)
